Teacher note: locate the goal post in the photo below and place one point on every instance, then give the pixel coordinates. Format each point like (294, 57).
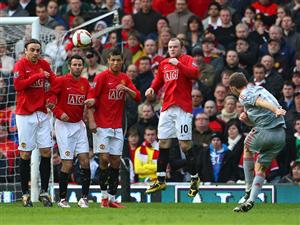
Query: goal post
(35, 157)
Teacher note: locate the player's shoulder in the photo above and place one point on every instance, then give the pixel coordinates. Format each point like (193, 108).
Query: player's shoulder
(101, 75)
(21, 61)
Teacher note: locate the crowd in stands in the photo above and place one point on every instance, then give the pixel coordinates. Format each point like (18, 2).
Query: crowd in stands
(260, 38)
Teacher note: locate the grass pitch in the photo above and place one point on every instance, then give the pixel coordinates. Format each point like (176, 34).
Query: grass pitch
(150, 214)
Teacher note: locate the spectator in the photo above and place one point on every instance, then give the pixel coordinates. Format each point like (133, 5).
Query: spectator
(273, 79)
(73, 9)
(249, 17)
(29, 6)
(150, 49)
(132, 72)
(145, 20)
(93, 65)
(162, 23)
(197, 101)
(14, 9)
(290, 35)
(216, 164)
(212, 20)
(6, 62)
(148, 119)
(145, 77)
(267, 9)
(146, 155)
(179, 18)
(56, 48)
(287, 99)
(45, 19)
(163, 39)
(294, 176)
(296, 80)
(128, 25)
(235, 140)
(215, 124)
(135, 47)
(220, 94)
(201, 135)
(246, 53)
(224, 33)
(228, 112)
(282, 11)
(294, 8)
(52, 9)
(194, 32)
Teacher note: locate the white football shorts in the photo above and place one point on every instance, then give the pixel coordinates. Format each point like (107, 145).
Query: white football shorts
(175, 123)
(108, 140)
(71, 139)
(34, 131)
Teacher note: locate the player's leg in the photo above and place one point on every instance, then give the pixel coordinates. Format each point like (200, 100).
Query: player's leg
(100, 141)
(183, 124)
(82, 148)
(65, 172)
(27, 126)
(166, 130)
(248, 165)
(189, 152)
(85, 177)
(44, 143)
(115, 151)
(162, 163)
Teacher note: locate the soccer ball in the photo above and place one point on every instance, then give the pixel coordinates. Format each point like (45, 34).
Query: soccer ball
(82, 38)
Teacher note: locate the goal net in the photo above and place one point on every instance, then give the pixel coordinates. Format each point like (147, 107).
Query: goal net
(14, 32)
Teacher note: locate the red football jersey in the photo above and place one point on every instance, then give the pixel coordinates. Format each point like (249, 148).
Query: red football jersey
(109, 101)
(177, 81)
(31, 86)
(69, 95)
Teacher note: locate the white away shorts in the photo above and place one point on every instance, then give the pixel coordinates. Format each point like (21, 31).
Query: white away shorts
(108, 140)
(71, 139)
(175, 123)
(34, 131)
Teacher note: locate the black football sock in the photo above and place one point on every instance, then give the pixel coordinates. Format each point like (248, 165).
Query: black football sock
(103, 174)
(45, 169)
(25, 175)
(85, 177)
(191, 163)
(113, 180)
(63, 184)
(162, 162)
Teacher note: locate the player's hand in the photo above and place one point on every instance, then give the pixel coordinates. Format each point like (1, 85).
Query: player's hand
(47, 75)
(93, 127)
(121, 87)
(243, 117)
(173, 61)
(64, 117)
(280, 112)
(149, 92)
(89, 102)
(50, 105)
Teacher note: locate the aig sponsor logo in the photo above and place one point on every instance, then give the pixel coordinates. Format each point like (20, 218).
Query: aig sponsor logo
(115, 94)
(171, 75)
(76, 99)
(38, 84)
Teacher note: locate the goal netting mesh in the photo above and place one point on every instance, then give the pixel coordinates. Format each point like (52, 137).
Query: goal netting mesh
(12, 39)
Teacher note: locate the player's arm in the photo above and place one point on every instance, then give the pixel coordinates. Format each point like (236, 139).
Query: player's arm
(278, 111)
(131, 90)
(22, 82)
(190, 70)
(91, 120)
(156, 84)
(51, 77)
(54, 91)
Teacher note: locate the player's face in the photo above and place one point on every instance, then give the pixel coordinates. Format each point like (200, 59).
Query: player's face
(76, 67)
(174, 48)
(33, 52)
(115, 63)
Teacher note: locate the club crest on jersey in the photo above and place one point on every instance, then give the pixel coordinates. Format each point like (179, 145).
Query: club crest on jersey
(102, 146)
(74, 99)
(23, 145)
(171, 75)
(123, 82)
(67, 153)
(115, 94)
(38, 83)
(82, 88)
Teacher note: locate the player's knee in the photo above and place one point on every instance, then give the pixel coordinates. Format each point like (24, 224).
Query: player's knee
(104, 160)
(115, 161)
(25, 155)
(166, 143)
(45, 152)
(260, 169)
(67, 166)
(247, 154)
(85, 163)
(185, 145)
